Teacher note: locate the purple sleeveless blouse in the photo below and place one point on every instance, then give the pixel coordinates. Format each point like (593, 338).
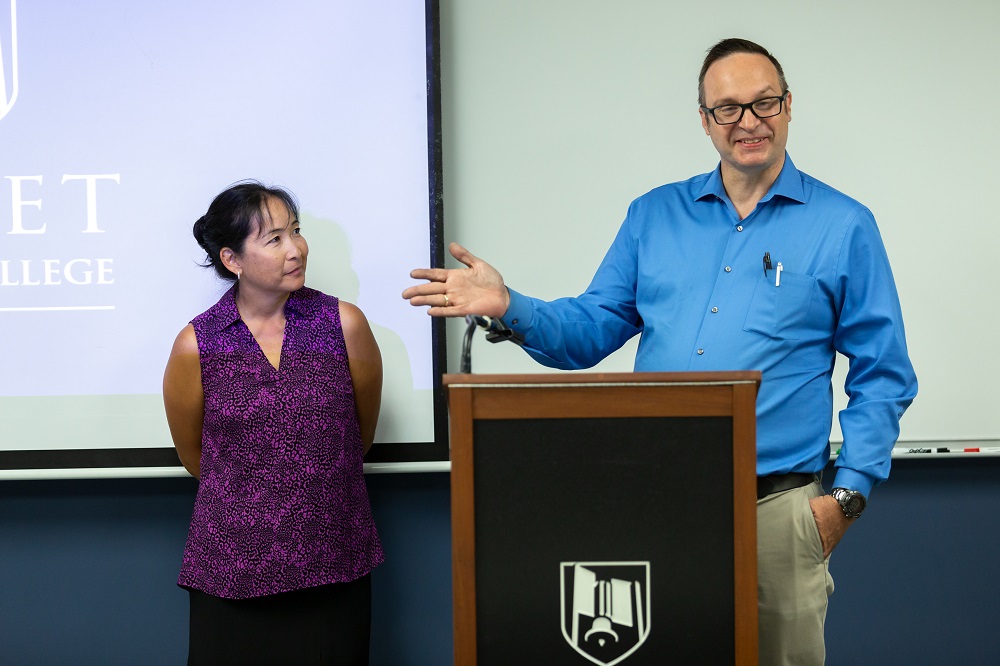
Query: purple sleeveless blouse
(282, 503)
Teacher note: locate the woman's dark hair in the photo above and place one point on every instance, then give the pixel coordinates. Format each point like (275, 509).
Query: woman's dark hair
(232, 216)
(732, 46)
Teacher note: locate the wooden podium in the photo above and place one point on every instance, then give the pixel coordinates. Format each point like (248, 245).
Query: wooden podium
(604, 518)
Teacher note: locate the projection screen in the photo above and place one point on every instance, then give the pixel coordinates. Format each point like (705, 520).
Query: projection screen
(120, 121)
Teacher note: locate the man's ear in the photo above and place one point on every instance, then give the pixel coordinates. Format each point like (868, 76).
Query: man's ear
(704, 121)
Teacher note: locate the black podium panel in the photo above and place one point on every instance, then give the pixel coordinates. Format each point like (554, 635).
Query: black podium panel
(577, 528)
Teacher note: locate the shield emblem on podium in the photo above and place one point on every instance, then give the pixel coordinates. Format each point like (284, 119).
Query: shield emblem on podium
(8, 59)
(605, 608)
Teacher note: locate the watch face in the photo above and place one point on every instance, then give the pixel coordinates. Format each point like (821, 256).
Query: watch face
(851, 501)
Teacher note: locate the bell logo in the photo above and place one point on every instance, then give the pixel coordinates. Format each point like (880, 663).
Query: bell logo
(8, 61)
(605, 608)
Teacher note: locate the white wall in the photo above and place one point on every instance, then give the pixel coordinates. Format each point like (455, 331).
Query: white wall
(558, 113)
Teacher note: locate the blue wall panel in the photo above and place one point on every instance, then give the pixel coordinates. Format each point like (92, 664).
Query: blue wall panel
(87, 570)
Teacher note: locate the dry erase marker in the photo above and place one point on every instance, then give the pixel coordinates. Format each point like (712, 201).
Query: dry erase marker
(938, 450)
(987, 449)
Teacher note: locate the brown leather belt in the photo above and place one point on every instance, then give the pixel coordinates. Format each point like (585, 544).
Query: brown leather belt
(776, 483)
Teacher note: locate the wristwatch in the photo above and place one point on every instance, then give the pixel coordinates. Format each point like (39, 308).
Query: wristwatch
(851, 501)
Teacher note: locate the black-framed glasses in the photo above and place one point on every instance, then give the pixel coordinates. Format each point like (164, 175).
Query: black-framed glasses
(729, 114)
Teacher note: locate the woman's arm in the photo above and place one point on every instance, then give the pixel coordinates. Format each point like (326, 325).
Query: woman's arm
(184, 400)
(366, 369)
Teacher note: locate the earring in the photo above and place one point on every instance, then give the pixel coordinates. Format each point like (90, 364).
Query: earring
(238, 274)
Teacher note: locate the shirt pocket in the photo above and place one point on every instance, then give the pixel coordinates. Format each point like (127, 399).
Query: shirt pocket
(781, 312)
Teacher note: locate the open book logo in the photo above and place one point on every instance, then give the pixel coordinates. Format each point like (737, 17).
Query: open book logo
(8, 60)
(605, 608)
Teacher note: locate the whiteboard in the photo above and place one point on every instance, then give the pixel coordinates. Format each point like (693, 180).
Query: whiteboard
(558, 114)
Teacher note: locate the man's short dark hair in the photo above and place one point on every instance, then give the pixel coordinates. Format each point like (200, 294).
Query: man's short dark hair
(732, 46)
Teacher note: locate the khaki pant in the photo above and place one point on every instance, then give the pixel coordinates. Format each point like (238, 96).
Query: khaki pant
(793, 580)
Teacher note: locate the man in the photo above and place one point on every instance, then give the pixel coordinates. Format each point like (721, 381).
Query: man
(754, 266)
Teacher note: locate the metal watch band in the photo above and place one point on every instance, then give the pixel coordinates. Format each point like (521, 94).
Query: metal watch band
(852, 503)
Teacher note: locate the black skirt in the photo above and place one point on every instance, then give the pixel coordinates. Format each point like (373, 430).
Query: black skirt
(329, 624)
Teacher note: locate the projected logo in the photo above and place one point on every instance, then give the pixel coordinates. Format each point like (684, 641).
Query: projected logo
(605, 608)
(8, 62)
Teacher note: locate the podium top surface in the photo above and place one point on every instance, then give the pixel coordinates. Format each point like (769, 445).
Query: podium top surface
(606, 378)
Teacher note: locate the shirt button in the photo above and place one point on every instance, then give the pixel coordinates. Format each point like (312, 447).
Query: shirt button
(729, 269)
(700, 352)
(715, 309)
(513, 322)
(739, 228)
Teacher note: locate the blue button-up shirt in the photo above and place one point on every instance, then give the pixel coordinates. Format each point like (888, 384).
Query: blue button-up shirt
(689, 275)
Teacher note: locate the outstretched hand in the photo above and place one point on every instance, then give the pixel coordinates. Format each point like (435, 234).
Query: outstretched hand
(477, 289)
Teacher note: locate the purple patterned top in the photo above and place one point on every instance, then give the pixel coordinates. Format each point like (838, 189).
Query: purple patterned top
(282, 503)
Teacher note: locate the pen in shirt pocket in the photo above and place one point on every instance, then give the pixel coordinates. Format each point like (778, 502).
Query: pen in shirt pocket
(777, 275)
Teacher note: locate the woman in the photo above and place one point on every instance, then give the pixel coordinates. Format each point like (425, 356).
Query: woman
(272, 397)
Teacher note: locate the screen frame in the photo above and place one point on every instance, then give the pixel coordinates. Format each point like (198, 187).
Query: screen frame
(384, 456)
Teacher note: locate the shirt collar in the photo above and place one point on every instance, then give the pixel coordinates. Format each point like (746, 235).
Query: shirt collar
(225, 313)
(788, 185)
(299, 303)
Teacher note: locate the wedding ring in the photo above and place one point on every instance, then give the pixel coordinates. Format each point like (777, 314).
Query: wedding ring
(446, 302)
